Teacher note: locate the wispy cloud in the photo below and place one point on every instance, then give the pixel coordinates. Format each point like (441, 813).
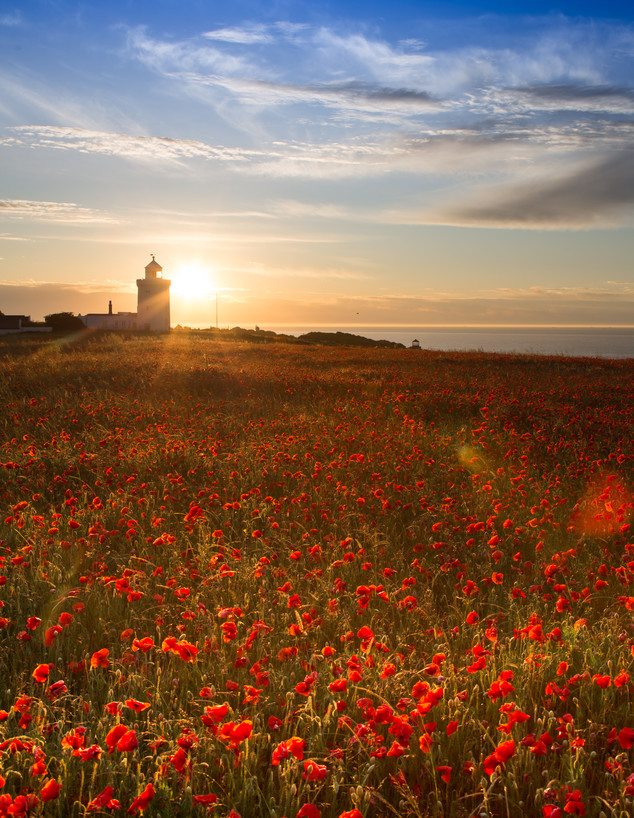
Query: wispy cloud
(175, 59)
(128, 146)
(294, 272)
(248, 35)
(578, 98)
(85, 287)
(35, 96)
(575, 54)
(596, 191)
(278, 158)
(606, 291)
(11, 19)
(549, 91)
(349, 95)
(67, 212)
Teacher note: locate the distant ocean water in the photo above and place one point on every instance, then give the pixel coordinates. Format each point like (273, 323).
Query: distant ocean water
(592, 342)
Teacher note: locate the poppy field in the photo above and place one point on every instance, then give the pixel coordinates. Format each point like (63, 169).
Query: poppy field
(285, 580)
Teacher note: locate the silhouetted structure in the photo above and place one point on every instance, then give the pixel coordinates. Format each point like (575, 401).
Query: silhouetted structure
(153, 306)
(14, 324)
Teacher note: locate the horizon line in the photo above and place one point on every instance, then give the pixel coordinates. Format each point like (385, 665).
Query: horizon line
(440, 326)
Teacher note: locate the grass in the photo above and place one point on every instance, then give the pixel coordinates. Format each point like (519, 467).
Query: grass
(413, 569)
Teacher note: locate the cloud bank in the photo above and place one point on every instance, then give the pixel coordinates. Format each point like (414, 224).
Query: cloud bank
(593, 196)
(612, 304)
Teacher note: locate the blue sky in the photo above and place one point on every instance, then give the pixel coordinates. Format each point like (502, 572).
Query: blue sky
(312, 163)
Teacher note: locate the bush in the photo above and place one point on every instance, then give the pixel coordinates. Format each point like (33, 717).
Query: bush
(64, 322)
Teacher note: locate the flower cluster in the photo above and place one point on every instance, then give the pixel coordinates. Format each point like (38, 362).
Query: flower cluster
(315, 583)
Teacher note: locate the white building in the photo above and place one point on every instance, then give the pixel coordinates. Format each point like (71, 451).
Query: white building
(153, 306)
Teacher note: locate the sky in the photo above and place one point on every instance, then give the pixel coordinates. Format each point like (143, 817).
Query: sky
(308, 164)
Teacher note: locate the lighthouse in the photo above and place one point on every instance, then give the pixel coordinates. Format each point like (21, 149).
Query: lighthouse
(153, 305)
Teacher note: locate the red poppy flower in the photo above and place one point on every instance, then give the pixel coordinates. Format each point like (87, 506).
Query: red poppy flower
(75, 739)
(127, 742)
(103, 801)
(425, 742)
(23, 704)
(100, 658)
(185, 650)
(92, 752)
(22, 805)
(479, 664)
(144, 644)
(500, 756)
(309, 811)
(574, 804)
(396, 750)
(234, 734)
(51, 633)
(56, 690)
(179, 760)
(445, 773)
(136, 705)
(293, 746)
(142, 801)
(452, 726)
(40, 674)
(389, 669)
(214, 715)
(229, 631)
(50, 790)
(113, 736)
(207, 800)
(314, 771)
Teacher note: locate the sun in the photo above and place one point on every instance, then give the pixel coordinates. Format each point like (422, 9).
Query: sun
(192, 282)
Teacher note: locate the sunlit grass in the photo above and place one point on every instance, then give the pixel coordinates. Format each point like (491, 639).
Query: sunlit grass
(303, 581)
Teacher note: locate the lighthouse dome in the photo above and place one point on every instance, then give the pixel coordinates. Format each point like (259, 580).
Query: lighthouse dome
(153, 268)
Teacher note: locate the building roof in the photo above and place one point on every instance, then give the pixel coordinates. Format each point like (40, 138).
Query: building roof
(13, 321)
(153, 266)
(108, 315)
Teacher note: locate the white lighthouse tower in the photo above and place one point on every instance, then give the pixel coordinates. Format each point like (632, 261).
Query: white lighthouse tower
(153, 306)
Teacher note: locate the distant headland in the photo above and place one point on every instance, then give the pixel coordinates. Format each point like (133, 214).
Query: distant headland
(261, 336)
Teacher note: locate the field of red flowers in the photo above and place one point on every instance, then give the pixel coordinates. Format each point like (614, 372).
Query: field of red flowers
(300, 581)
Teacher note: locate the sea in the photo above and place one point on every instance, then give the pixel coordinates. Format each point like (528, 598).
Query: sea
(590, 342)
